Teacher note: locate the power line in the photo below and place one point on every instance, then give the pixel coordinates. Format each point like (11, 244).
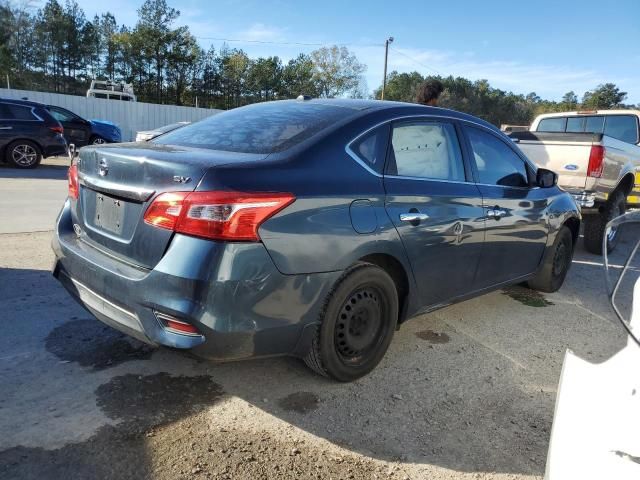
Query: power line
(415, 61)
(306, 44)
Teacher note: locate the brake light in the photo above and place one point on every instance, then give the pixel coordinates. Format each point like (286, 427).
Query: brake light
(57, 129)
(234, 216)
(72, 177)
(596, 161)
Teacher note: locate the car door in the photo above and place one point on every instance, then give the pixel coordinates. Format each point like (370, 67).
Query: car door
(435, 207)
(77, 130)
(6, 126)
(516, 223)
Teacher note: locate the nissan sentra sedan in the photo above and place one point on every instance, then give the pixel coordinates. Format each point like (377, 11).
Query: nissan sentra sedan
(311, 228)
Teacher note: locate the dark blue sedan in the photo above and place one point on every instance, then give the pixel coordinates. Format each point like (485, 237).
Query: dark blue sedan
(310, 228)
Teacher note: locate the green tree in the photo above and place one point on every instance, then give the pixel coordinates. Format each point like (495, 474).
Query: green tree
(336, 70)
(6, 33)
(155, 19)
(605, 96)
(264, 78)
(401, 87)
(297, 78)
(569, 101)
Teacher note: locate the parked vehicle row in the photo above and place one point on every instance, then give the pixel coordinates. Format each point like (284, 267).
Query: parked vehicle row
(31, 131)
(597, 157)
(310, 228)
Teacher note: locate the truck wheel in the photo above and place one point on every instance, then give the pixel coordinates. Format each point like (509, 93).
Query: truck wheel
(555, 263)
(357, 324)
(23, 154)
(595, 225)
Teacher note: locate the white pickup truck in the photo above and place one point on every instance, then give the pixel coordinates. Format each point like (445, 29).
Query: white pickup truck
(596, 155)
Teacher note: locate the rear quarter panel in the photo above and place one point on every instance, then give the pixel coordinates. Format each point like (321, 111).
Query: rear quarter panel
(316, 233)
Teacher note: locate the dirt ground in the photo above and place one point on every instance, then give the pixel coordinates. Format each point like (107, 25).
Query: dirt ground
(466, 392)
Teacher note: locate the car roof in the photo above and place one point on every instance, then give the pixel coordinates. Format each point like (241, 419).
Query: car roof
(397, 108)
(26, 103)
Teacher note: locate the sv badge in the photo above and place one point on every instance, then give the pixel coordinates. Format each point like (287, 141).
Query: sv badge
(181, 179)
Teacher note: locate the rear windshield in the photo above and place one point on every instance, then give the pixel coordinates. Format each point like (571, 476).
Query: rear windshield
(622, 127)
(259, 128)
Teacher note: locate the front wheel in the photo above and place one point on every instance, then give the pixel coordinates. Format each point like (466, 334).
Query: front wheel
(357, 324)
(555, 263)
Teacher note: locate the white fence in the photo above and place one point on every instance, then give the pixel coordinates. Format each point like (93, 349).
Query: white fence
(131, 117)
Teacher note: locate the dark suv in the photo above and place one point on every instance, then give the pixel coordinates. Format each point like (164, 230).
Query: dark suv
(28, 133)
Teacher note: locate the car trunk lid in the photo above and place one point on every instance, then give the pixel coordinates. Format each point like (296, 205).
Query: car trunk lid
(118, 183)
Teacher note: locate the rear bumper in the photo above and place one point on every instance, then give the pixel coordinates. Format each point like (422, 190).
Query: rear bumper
(57, 146)
(231, 292)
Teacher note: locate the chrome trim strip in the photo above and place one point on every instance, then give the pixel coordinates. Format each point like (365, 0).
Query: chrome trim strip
(425, 179)
(435, 118)
(134, 193)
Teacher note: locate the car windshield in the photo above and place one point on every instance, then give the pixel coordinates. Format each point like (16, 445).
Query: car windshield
(260, 128)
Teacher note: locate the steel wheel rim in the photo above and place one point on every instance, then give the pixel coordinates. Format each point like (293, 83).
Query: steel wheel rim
(99, 141)
(24, 155)
(560, 259)
(360, 325)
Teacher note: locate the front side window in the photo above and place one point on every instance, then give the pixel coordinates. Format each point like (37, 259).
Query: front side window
(63, 115)
(426, 150)
(497, 163)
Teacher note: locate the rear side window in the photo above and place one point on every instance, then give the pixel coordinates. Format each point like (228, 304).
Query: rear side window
(19, 112)
(259, 128)
(4, 112)
(426, 150)
(622, 127)
(557, 124)
(371, 148)
(497, 163)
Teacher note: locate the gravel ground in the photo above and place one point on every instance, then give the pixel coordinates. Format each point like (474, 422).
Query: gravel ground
(464, 392)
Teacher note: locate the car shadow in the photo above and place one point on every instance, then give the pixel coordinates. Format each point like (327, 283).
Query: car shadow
(470, 388)
(42, 172)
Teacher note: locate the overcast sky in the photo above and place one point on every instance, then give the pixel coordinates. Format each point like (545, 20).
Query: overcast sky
(547, 47)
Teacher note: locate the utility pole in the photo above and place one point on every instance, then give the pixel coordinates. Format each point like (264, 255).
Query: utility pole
(8, 84)
(386, 56)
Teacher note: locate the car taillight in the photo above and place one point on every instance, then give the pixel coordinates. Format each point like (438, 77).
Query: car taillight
(596, 161)
(72, 176)
(234, 216)
(57, 129)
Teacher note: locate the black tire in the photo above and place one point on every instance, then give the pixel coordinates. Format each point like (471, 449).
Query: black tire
(97, 140)
(595, 225)
(356, 324)
(555, 264)
(23, 154)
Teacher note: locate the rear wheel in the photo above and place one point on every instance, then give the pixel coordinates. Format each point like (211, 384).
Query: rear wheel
(97, 140)
(23, 154)
(357, 324)
(555, 264)
(595, 225)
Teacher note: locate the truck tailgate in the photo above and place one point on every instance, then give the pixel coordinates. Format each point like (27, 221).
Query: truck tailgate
(564, 153)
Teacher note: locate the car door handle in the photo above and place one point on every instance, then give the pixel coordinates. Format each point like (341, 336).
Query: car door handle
(6, 128)
(496, 213)
(413, 217)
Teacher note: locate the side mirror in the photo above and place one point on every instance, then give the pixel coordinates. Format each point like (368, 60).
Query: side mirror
(546, 178)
